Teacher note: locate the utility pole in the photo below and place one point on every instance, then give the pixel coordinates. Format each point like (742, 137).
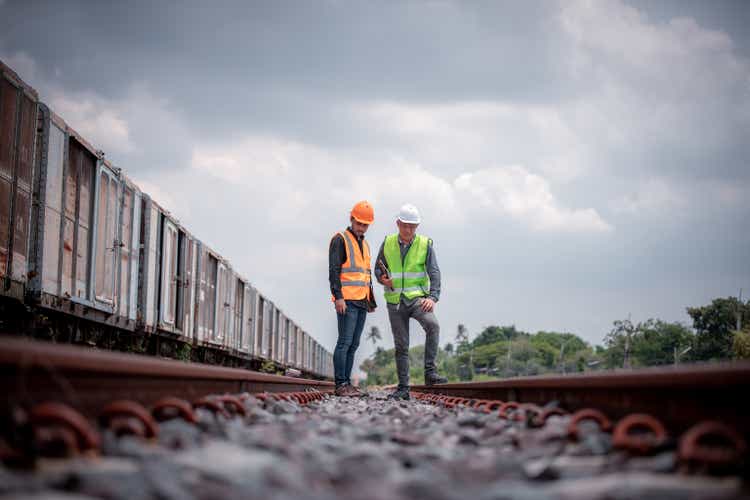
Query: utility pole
(739, 312)
(562, 351)
(509, 347)
(678, 355)
(628, 332)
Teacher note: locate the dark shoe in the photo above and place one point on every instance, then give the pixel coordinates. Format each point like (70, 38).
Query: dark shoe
(342, 390)
(356, 392)
(434, 379)
(400, 393)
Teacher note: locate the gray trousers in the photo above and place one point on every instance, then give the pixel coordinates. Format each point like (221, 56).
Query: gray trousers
(399, 315)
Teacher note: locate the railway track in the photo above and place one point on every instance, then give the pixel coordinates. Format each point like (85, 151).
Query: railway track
(36, 372)
(679, 396)
(108, 425)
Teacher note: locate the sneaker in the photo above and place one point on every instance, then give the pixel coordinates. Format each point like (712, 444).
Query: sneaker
(400, 393)
(434, 379)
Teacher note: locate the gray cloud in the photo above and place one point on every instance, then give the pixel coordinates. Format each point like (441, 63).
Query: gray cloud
(628, 120)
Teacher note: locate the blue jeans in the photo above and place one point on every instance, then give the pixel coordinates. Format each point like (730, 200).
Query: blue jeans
(351, 324)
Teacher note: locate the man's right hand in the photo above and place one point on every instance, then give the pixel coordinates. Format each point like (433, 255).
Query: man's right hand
(387, 282)
(340, 305)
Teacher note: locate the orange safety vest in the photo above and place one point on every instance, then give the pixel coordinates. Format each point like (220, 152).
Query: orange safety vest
(355, 272)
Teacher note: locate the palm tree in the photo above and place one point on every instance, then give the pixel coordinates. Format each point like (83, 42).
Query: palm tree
(374, 335)
(461, 335)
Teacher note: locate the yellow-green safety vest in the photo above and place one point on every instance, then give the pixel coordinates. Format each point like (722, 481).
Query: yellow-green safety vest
(410, 274)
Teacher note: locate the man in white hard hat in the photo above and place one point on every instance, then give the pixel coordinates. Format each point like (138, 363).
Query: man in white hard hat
(407, 267)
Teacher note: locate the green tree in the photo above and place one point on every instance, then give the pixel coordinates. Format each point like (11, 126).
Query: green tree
(558, 351)
(659, 343)
(493, 334)
(714, 324)
(648, 343)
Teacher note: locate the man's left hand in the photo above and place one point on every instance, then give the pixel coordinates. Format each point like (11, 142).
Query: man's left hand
(427, 305)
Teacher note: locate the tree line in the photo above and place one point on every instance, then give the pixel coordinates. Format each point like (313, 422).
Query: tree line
(720, 331)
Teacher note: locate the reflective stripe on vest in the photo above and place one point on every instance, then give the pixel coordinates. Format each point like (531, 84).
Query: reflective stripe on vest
(355, 272)
(409, 274)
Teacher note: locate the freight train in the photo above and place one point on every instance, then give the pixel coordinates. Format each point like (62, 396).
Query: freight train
(88, 257)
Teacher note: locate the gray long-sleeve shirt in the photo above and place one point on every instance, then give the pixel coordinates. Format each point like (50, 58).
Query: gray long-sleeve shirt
(433, 271)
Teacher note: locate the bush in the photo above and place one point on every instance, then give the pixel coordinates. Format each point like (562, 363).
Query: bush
(741, 344)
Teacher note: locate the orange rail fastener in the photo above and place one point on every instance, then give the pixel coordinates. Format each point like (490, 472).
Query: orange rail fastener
(118, 416)
(588, 414)
(712, 443)
(171, 407)
(57, 422)
(644, 442)
(211, 405)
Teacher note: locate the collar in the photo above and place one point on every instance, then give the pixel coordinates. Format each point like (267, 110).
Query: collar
(349, 228)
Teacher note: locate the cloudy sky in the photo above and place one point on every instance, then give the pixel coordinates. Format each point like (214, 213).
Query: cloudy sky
(574, 162)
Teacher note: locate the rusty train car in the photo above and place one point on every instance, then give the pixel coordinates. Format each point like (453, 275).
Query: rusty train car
(86, 256)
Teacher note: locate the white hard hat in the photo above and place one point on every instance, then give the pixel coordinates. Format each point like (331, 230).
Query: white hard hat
(409, 214)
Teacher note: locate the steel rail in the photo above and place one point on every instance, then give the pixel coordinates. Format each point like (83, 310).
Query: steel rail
(33, 372)
(679, 396)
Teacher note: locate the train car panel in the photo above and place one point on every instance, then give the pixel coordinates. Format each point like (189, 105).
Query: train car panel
(169, 275)
(235, 293)
(202, 311)
(125, 239)
(277, 336)
(300, 348)
(303, 363)
(247, 344)
(292, 344)
(272, 322)
(258, 326)
(279, 333)
(79, 180)
(220, 303)
(189, 287)
(18, 122)
(289, 325)
(128, 243)
(314, 364)
(105, 238)
(206, 290)
(284, 339)
(44, 267)
(309, 353)
(227, 306)
(319, 360)
(240, 323)
(209, 298)
(148, 279)
(268, 311)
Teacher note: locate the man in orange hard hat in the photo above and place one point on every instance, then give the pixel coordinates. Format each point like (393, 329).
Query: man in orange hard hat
(349, 275)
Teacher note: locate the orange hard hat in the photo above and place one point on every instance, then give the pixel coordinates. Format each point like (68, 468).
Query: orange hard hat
(363, 212)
